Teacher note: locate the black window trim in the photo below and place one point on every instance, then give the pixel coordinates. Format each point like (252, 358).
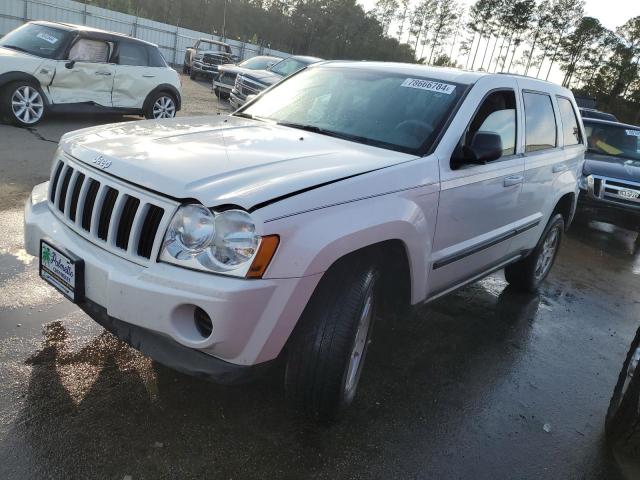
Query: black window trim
(503, 158)
(582, 141)
(524, 110)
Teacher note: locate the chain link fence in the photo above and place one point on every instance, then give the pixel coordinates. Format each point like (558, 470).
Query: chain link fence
(173, 40)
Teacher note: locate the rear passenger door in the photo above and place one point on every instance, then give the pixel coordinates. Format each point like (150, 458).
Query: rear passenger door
(480, 207)
(544, 160)
(135, 77)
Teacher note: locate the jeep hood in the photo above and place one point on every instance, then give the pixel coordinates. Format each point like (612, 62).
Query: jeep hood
(612, 167)
(224, 159)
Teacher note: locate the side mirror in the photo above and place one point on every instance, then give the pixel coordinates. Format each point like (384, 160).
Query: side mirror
(70, 64)
(484, 147)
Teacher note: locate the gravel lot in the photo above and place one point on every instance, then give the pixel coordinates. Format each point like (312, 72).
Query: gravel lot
(483, 384)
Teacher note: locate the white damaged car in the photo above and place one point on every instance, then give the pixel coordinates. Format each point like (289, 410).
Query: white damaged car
(48, 66)
(216, 245)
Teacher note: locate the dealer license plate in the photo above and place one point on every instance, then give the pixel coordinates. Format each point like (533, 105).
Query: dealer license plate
(63, 270)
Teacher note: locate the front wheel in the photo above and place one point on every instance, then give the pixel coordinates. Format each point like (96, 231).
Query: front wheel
(22, 104)
(529, 273)
(329, 345)
(161, 105)
(623, 416)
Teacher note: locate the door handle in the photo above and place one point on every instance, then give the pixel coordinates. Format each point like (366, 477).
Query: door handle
(512, 180)
(106, 74)
(560, 168)
(148, 76)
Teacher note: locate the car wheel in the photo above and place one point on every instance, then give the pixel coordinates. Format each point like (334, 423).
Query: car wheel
(216, 92)
(185, 69)
(527, 274)
(192, 75)
(622, 425)
(161, 105)
(328, 347)
(23, 104)
(224, 95)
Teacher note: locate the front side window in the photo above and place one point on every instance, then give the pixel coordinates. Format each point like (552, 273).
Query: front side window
(92, 51)
(614, 141)
(133, 54)
(497, 114)
(570, 129)
(540, 122)
(383, 109)
(288, 66)
(40, 40)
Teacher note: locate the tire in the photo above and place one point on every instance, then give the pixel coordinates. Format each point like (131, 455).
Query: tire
(528, 273)
(328, 347)
(22, 103)
(216, 92)
(192, 75)
(224, 95)
(622, 425)
(160, 105)
(185, 69)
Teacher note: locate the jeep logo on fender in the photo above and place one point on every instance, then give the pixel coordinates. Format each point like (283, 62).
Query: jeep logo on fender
(102, 162)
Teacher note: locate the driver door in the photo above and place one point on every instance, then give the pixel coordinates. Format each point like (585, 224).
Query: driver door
(480, 205)
(86, 76)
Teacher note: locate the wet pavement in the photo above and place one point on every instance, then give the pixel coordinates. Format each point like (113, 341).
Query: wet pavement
(484, 384)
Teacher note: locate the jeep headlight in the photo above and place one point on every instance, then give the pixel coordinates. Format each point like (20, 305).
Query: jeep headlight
(585, 181)
(224, 242)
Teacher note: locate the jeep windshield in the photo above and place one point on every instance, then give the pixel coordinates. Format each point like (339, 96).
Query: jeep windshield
(35, 39)
(621, 141)
(394, 111)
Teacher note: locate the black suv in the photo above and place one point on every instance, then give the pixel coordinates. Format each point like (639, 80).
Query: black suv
(610, 183)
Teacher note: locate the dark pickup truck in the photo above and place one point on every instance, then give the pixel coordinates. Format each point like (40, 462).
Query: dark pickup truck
(610, 183)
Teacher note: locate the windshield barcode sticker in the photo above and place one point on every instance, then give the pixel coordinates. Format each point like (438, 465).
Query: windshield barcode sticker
(429, 85)
(47, 38)
(634, 133)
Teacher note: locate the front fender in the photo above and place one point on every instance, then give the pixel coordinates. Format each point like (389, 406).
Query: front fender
(311, 242)
(15, 76)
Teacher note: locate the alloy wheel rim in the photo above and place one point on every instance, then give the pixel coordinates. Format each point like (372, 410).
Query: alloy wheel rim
(548, 253)
(27, 104)
(359, 345)
(164, 108)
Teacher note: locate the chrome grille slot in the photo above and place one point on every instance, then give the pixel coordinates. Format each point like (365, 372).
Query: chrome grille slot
(62, 196)
(126, 222)
(108, 203)
(121, 218)
(90, 201)
(73, 208)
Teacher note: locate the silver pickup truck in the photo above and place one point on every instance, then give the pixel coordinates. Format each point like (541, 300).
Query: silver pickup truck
(205, 56)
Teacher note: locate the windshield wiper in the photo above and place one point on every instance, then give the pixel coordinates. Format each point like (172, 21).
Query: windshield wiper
(341, 135)
(243, 115)
(15, 47)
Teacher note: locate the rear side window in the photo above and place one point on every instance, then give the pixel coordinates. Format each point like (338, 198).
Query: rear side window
(133, 54)
(155, 58)
(570, 128)
(540, 122)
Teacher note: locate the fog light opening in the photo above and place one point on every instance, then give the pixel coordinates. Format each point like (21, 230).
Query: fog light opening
(203, 322)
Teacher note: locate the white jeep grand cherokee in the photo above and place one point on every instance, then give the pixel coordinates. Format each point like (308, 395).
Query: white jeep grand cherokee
(53, 66)
(216, 245)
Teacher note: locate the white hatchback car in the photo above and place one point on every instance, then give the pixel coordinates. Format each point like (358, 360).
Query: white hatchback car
(218, 244)
(53, 66)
